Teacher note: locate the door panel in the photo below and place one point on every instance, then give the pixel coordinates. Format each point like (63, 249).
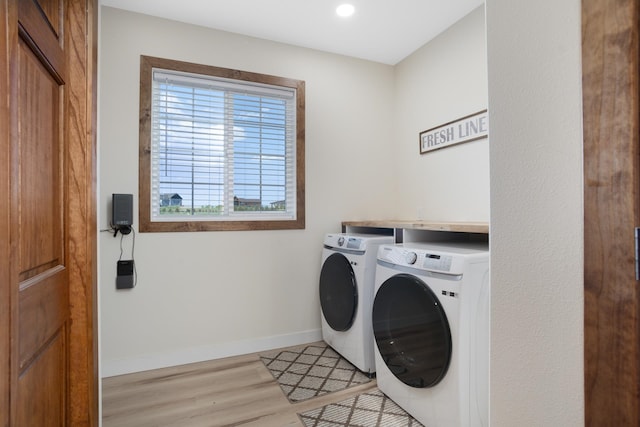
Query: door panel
(42, 313)
(41, 33)
(41, 388)
(52, 10)
(39, 196)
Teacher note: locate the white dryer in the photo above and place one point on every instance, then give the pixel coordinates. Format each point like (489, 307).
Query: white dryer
(346, 295)
(431, 326)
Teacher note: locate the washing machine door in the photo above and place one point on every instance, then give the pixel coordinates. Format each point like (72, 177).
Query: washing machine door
(338, 292)
(412, 331)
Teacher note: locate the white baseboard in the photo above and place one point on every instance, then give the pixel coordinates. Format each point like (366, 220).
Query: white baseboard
(147, 362)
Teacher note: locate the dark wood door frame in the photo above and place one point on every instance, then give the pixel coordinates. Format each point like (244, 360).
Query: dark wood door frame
(611, 200)
(82, 242)
(5, 245)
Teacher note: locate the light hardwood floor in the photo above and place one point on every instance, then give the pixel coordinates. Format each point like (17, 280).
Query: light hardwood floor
(235, 391)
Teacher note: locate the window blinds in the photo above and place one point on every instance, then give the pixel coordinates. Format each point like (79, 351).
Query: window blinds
(221, 149)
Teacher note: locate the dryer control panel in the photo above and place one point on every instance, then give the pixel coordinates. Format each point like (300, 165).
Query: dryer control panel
(355, 242)
(442, 258)
(416, 258)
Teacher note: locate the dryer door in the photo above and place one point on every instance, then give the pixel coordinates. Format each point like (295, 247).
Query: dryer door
(338, 292)
(412, 331)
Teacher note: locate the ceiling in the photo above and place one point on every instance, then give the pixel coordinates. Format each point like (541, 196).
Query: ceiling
(385, 31)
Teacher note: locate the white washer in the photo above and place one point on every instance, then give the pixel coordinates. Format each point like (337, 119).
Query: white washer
(431, 328)
(346, 295)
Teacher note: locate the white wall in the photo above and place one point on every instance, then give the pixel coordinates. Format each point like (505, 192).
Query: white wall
(208, 295)
(191, 302)
(444, 80)
(211, 294)
(199, 306)
(534, 74)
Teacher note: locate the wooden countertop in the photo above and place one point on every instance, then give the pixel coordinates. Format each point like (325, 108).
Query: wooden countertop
(465, 227)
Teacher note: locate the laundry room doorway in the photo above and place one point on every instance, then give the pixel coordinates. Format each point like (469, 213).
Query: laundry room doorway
(611, 114)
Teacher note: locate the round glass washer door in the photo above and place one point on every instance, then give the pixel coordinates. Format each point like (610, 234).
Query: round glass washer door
(412, 331)
(338, 292)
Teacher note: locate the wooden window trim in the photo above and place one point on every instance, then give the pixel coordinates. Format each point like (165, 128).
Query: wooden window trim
(147, 63)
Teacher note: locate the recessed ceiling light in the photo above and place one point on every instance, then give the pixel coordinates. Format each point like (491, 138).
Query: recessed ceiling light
(345, 10)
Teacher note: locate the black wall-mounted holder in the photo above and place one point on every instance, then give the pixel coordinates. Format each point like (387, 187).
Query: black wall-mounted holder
(124, 280)
(121, 213)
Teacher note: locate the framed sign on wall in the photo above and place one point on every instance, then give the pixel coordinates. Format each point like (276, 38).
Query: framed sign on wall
(465, 129)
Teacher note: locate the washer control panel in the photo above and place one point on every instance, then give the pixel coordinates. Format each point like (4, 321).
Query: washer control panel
(438, 262)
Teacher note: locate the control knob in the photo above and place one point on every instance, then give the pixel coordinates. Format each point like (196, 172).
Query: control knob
(340, 241)
(411, 257)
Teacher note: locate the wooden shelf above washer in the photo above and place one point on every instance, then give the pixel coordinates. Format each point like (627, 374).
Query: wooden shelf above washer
(462, 227)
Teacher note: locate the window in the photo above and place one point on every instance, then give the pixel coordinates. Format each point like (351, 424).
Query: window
(220, 149)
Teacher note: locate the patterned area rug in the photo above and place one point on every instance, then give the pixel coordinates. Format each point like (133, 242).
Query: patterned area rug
(309, 371)
(372, 409)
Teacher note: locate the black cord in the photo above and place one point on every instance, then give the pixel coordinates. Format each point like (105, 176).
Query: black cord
(121, 250)
(133, 244)
(133, 247)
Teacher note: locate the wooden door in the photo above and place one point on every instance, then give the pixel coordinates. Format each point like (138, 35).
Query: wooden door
(611, 198)
(47, 345)
(41, 328)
